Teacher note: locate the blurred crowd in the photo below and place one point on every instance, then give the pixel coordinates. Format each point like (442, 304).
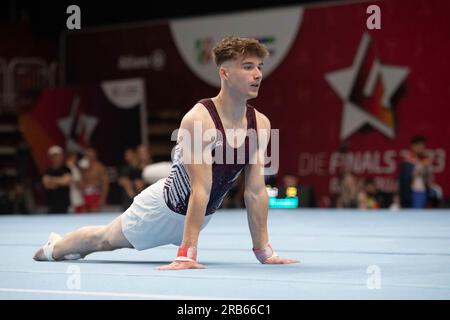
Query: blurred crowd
(80, 183)
(77, 182)
(416, 187)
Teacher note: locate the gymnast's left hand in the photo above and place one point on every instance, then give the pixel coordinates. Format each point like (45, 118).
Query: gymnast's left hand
(280, 260)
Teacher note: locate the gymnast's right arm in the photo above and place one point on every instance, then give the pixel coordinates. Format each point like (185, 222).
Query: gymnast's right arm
(200, 175)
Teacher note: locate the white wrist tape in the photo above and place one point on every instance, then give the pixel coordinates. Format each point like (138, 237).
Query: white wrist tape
(186, 253)
(265, 253)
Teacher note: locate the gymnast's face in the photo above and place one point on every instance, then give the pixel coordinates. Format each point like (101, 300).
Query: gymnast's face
(243, 76)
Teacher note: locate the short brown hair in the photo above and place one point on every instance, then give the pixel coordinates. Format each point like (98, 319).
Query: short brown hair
(231, 48)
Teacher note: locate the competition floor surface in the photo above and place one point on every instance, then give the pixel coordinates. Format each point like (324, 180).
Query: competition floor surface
(344, 254)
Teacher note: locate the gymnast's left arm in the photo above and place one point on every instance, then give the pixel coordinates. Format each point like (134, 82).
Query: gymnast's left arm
(257, 202)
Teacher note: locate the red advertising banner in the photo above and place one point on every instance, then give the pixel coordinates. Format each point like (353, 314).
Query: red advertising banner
(329, 83)
(106, 116)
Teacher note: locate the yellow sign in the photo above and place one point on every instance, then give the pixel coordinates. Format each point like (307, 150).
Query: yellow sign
(291, 192)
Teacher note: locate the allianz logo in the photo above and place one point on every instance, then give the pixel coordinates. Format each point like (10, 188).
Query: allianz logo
(155, 61)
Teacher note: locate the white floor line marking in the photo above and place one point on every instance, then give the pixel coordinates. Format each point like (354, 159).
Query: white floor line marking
(112, 294)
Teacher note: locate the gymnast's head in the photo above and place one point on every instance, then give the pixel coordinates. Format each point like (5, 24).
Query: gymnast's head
(240, 63)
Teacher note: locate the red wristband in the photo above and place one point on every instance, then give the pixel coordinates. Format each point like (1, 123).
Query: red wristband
(186, 253)
(265, 253)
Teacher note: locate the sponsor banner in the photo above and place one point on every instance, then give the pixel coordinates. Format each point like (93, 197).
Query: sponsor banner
(195, 37)
(330, 81)
(26, 66)
(354, 97)
(322, 169)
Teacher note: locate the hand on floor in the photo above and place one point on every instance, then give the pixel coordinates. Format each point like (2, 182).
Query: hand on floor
(182, 265)
(280, 260)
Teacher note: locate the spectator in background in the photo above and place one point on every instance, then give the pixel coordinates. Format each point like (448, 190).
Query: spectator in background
(395, 205)
(270, 180)
(18, 199)
(25, 176)
(144, 156)
(435, 194)
(76, 183)
(369, 197)
(95, 181)
(415, 175)
(152, 172)
(349, 190)
(13, 200)
(289, 181)
(130, 178)
(56, 181)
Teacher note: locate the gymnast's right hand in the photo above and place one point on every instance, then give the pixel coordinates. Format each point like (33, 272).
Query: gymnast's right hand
(186, 259)
(182, 265)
